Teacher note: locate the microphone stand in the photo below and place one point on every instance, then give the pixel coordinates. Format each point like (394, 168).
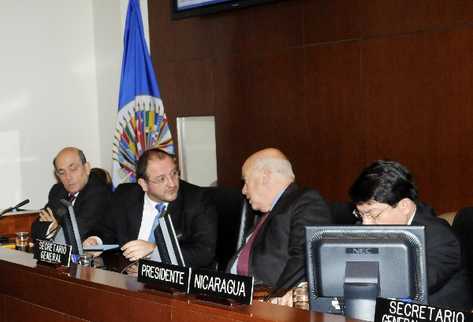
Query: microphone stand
(24, 202)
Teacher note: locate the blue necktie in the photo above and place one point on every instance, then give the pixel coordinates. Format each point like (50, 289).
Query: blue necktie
(159, 211)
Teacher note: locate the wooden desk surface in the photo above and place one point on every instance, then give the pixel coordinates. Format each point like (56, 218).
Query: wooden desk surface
(43, 293)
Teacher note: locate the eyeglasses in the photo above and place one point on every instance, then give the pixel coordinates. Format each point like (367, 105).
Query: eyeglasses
(172, 176)
(369, 215)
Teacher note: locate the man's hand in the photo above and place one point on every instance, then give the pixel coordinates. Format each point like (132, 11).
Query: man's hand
(47, 216)
(137, 249)
(92, 241)
(285, 300)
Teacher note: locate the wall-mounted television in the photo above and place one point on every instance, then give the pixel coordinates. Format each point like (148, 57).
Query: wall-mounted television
(189, 8)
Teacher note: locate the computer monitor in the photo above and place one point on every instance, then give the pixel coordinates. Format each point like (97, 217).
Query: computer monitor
(69, 232)
(348, 267)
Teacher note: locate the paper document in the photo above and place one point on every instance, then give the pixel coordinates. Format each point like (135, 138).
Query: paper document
(100, 248)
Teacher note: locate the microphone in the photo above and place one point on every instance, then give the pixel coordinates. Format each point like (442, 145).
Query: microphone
(24, 202)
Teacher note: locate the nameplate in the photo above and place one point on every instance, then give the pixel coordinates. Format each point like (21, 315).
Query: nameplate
(164, 276)
(222, 286)
(52, 253)
(401, 311)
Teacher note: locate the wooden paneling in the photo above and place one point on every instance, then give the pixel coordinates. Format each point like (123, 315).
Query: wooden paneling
(403, 16)
(20, 311)
(332, 20)
(335, 84)
(336, 148)
(425, 121)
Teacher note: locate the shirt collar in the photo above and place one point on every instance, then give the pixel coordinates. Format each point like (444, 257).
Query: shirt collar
(151, 204)
(412, 216)
(278, 196)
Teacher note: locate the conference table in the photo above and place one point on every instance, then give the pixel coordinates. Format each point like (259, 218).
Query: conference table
(13, 222)
(43, 293)
(35, 292)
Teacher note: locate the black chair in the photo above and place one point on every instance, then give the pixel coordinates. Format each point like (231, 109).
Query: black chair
(463, 227)
(228, 204)
(247, 221)
(342, 213)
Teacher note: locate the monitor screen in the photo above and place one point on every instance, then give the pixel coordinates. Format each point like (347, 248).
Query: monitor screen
(349, 266)
(189, 8)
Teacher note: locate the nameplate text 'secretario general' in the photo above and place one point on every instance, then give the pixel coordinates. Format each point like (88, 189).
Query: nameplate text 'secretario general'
(51, 253)
(388, 310)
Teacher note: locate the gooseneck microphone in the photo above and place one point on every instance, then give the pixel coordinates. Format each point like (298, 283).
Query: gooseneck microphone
(24, 202)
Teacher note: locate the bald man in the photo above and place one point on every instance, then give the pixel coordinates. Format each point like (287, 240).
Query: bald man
(274, 252)
(89, 195)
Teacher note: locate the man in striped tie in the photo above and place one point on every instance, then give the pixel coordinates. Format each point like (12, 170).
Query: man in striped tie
(135, 219)
(275, 247)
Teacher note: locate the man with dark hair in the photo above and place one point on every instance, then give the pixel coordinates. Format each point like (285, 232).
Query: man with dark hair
(385, 194)
(86, 192)
(131, 217)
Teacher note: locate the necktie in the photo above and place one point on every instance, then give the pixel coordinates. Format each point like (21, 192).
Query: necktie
(71, 197)
(159, 211)
(244, 257)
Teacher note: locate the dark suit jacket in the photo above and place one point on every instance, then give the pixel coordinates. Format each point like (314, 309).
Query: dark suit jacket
(89, 207)
(447, 279)
(194, 219)
(278, 255)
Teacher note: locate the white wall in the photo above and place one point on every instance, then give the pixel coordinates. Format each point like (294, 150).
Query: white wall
(108, 26)
(59, 77)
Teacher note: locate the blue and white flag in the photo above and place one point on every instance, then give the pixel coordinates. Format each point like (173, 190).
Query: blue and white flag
(141, 122)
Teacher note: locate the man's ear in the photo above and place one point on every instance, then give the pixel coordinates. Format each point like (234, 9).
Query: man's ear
(87, 167)
(143, 184)
(266, 176)
(405, 205)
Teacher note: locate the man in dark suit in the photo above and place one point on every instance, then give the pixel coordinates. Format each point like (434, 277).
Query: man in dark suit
(88, 194)
(130, 218)
(274, 251)
(385, 194)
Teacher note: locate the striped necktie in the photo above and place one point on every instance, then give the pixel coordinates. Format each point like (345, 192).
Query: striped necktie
(71, 196)
(244, 257)
(159, 212)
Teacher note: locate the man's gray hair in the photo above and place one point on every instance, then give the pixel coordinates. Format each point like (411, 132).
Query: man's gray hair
(275, 165)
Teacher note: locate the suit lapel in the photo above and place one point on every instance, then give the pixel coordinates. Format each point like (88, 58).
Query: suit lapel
(279, 208)
(176, 207)
(79, 200)
(135, 214)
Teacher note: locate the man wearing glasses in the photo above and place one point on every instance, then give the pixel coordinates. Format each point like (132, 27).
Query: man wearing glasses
(385, 194)
(88, 194)
(131, 220)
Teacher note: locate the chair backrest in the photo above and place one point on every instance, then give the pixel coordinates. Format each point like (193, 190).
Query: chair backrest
(227, 202)
(247, 220)
(342, 213)
(448, 216)
(463, 227)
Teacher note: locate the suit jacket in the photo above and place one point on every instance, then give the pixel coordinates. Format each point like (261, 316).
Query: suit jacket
(278, 255)
(448, 282)
(89, 207)
(194, 220)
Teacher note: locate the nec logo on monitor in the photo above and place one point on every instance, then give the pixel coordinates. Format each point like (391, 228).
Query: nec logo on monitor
(361, 250)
